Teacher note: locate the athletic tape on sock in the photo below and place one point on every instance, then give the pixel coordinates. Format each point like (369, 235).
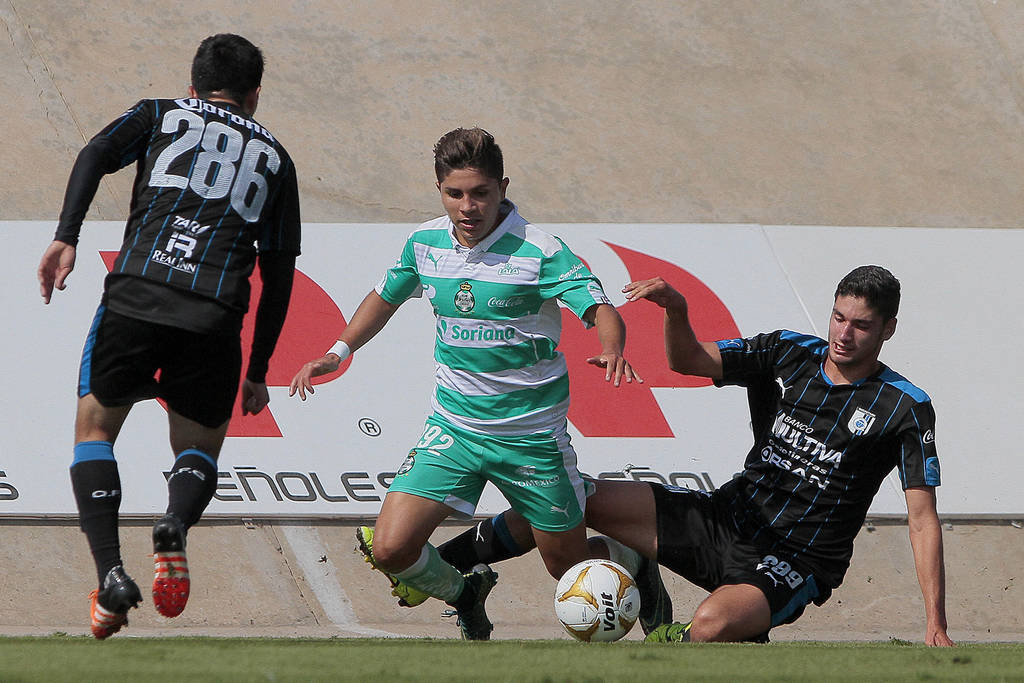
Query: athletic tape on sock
(432, 575)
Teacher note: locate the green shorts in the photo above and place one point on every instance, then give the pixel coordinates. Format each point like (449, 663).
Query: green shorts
(535, 472)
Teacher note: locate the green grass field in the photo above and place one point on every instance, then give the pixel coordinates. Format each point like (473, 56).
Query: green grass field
(81, 659)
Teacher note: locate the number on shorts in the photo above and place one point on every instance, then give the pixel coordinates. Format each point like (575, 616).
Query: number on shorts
(434, 439)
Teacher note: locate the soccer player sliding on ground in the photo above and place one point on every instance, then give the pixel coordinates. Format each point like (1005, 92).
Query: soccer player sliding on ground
(830, 422)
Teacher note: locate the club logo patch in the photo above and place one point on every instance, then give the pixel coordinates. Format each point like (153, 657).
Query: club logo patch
(861, 422)
(464, 299)
(410, 460)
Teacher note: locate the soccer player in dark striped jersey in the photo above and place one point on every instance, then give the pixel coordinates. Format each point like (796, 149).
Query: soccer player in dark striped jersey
(830, 422)
(214, 194)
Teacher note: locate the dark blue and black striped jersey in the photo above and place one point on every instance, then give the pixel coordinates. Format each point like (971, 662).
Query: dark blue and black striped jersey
(821, 450)
(212, 187)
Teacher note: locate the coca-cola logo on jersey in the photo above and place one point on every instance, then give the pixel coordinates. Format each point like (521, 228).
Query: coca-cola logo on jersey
(597, 409)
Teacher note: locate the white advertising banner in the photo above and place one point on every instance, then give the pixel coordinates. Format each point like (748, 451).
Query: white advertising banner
(335, 453)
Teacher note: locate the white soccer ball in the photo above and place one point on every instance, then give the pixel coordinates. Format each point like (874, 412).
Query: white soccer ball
(597, 600)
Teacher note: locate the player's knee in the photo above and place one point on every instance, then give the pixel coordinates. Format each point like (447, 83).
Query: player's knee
(391, 556)
(557, 562)
(710, 625)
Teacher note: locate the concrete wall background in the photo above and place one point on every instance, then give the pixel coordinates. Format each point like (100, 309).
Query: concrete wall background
(816, 113)
(820, 113)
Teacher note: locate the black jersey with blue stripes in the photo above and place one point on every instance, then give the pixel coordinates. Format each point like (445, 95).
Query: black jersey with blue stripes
(821, 450)
(212, 188)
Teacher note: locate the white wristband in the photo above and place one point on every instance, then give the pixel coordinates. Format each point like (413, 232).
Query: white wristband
(341, 350)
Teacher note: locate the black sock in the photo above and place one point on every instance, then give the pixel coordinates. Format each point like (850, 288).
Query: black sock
(191, 485)
(97, 486)
(486, 543)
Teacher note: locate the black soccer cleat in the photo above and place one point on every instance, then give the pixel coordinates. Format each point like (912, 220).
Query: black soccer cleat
(473, 621)
(109, 605)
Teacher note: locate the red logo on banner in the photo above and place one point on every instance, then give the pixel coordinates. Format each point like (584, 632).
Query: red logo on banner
(313, 324)
(597, 408)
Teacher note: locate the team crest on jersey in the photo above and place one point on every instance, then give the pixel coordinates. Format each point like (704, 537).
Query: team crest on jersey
(464, 299)
(861, 422)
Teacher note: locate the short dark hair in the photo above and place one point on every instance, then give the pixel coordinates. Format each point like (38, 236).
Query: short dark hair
(874, 284)
(228, 64)
(468, 148)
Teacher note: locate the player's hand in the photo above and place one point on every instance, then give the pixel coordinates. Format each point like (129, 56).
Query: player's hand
(255, 397)
(302, 382)
(656, 290)
(616, 367)
(57, 263)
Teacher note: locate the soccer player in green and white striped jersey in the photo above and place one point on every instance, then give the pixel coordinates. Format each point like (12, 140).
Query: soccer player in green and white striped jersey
(502, 395)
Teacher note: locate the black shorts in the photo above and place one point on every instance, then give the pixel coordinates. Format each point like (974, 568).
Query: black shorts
(198, 373)
(698, 540)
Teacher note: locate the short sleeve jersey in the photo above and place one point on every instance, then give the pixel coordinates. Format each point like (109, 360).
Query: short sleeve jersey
(212, 187)
(498, 369)
(821, 450)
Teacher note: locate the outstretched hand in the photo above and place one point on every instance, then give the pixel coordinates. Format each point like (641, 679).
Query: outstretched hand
(302, 382)
(656, 290)
(57, 263)
(616, 367)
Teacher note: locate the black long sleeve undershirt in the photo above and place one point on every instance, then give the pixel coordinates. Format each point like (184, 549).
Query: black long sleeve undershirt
(98, 158)
(277, 270)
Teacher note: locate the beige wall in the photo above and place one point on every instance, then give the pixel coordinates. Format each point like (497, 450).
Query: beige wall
(821, 113)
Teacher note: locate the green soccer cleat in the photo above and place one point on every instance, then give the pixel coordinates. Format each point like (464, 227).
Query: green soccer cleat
(655, 603)
(670, 633)
(407, 595)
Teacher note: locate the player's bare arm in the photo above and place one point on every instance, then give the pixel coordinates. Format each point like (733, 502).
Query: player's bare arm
(686, 355)
(611, 331)
(57, 263)
(369, 319)
(926, 541)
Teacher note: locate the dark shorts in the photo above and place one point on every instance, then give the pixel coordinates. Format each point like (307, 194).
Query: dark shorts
(198, 373)
(698, 540)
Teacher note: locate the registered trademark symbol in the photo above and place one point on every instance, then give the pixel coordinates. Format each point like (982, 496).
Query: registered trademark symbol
(369, 427)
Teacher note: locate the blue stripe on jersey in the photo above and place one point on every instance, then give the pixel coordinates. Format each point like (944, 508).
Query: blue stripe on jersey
(808, 341)
(234, 245)
(903, 384)
(153, 201)
(241, 230)
(128, 114)
(209, 243)
(181, 194)
(930, 465)
(85, 368)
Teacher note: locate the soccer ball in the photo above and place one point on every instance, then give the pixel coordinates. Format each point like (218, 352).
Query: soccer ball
(597, 600)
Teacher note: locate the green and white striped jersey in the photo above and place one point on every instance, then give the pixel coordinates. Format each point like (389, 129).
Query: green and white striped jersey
(498, 324)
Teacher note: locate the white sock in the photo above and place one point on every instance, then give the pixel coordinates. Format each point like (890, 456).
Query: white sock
(433, 576)
(620, 554)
